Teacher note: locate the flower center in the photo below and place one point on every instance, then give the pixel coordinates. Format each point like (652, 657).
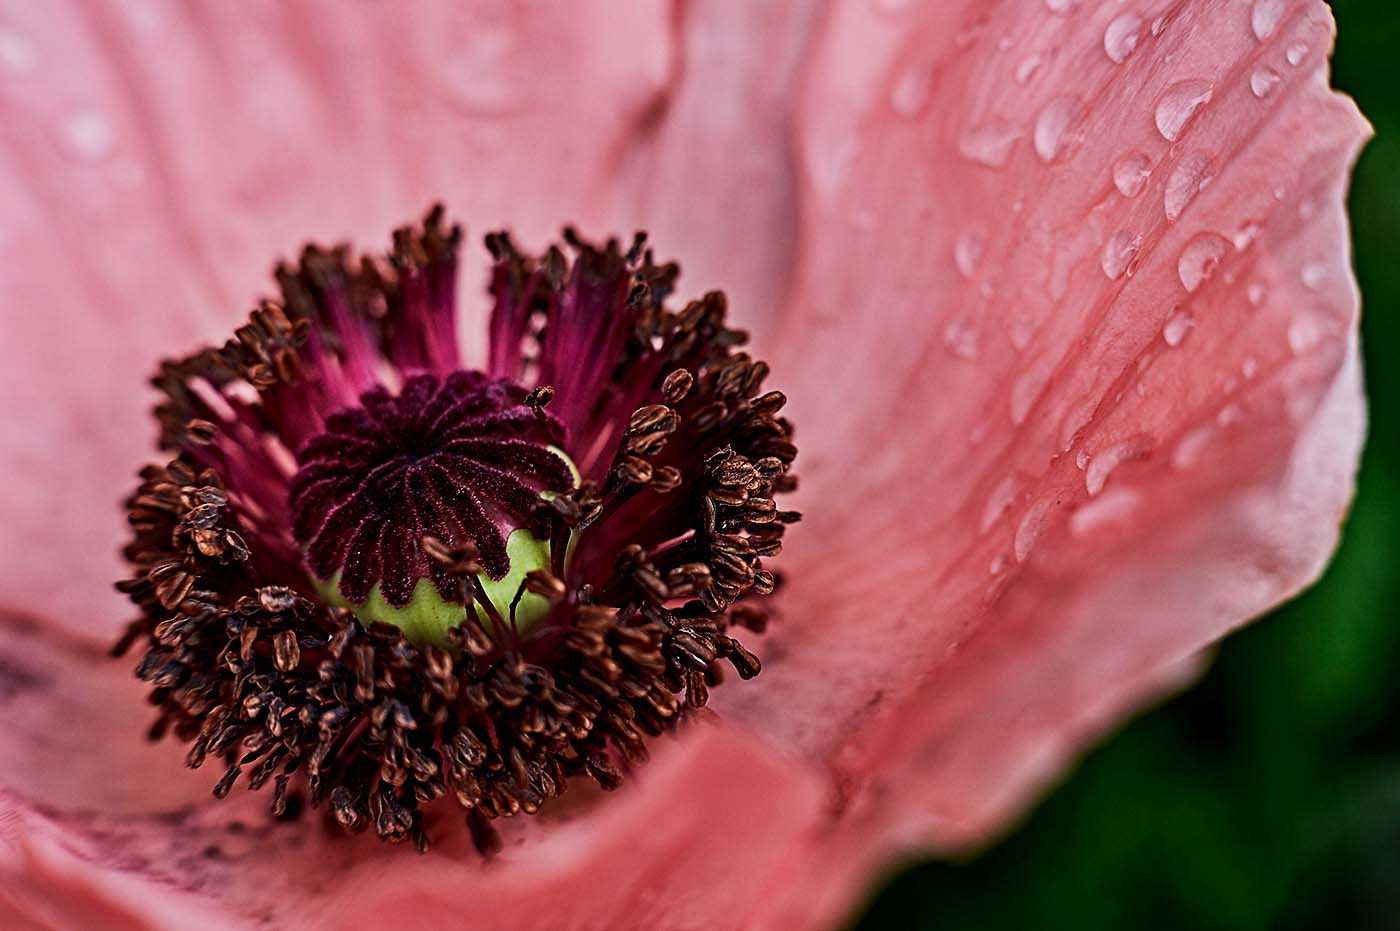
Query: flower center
(464, 460)
(376, 580)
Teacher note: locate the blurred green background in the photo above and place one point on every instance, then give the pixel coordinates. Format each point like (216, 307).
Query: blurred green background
(1268, 796)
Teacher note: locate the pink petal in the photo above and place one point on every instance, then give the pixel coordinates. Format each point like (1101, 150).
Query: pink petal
(1035, 487)
(156, 161)
(677, 846)
(713, 176)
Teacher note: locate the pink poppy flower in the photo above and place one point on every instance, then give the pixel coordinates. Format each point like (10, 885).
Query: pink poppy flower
(1059, 293)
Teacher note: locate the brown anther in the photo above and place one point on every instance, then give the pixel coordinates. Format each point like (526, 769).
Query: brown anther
(538, 399)
(676, 386)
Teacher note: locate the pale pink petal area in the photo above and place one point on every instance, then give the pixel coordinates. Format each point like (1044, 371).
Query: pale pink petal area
(155, 158)
(1077, 377)
(696, 840)
(74, 723)
(714, 171)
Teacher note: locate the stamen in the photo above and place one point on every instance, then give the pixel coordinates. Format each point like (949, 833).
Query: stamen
(375, 580)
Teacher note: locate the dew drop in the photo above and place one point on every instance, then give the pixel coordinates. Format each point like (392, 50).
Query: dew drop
(1081, 460)
(1244, 237)
(1103, 463)
(1074, 422)
(910, 94)
(1062, 7)
(831, 165)
(999, 500)
(1026, 390)
(1120, 250)
(1029, 529)
(1296, 53)
(1051, 127)
(1178, 104)
(1199, 259)
(989, 144)
(1304, 332)
(1028, 67)
(1262, 81)
(88, 135)
(1263, 19)
(1020, 329)
(479, 74)
(17, 53)
(1190, 447)
(1120, 39)
(1177, 326)
(1313, 274)
(1131, 172)
(1116, 506)
(962, 340)
(967, 253)
(1190, 176)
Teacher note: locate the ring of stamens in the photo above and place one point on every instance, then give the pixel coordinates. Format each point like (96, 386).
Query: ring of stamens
(680, 454)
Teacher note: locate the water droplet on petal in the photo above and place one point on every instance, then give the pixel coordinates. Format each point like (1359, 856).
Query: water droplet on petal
(1116, 506)
(1052, 126)
(1304, 332)
(1020, 330)
(1177, 326)
(962, 340)
(1029, 529)
(989, 144)
(1120, 250)
(1103, 463)
(1313, 274)
(479, 73)
(1296, 53)
(1062, 7)
(88, 135)
(1178, 104)
(1121, 37)
(1199, 259)
(1262, 81)
(1081, 459)
(967, 253)
(17, 53)
(1131, 172)
(1028, 66)
(1190, 447)
(1027, 389)
(831, 165)
(1190, 176)
(999, 500)
(1244, 237)
(1263, 19)
(911, 91)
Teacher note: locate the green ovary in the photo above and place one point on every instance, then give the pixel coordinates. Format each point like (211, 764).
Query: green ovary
(427, 618)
